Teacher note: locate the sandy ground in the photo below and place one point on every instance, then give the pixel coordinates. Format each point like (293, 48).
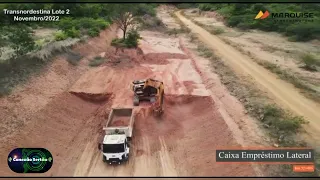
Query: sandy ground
(267, 46)
(283, 93)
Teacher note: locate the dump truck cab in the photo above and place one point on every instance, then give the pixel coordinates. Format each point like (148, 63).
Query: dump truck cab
(115, 148)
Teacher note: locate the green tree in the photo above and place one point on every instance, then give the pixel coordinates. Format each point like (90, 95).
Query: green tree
(20, 38)
(124, 18)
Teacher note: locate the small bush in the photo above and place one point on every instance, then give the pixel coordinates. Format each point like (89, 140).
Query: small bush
(292, 38)
(234, 21)
(40, 43)
(310, 62)
(217, 31)
(143, 9)
(205, 7)
(243, 26)
(186, 5)
(280, 121)
(150, 22)
(73, 58)
(131, 40)
(74, 28)
(97, 61)
(59, 36)
(173, 31)
(66, 23)
(303, 31)
(93, 32)
(73, 33)
(102, 24)
(204, 51)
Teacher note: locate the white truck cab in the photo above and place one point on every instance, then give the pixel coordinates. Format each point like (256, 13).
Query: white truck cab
(115, 148)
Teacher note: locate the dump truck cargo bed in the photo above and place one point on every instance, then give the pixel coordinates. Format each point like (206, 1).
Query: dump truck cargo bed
(121, 121)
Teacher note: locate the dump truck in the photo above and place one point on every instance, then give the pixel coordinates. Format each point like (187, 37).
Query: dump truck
(115, 146)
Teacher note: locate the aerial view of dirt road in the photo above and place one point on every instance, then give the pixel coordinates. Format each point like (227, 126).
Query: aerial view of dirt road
(65, 107)
(282, 91)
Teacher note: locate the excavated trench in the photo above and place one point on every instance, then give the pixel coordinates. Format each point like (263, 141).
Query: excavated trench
(182, 142)
(101, 97)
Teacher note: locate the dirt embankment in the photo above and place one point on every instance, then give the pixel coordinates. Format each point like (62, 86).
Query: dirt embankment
(180, 143)
(41, 114)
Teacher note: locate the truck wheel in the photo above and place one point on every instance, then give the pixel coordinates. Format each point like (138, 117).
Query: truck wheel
(136, 101)
(104, 159)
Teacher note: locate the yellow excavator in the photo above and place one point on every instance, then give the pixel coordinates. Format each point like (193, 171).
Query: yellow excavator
(151, 90)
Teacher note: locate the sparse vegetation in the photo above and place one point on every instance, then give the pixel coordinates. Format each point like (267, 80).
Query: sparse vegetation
(310, 62)
(60, 35)
(181, 30)
(131, 40)
(73, 58)
(242, 16)
(276, 119)
(19, 38)
(76, 27)
(17, 70)
(211, 29)
(30, 54)
(176, 31)
(217, 31)
(150, 23)
(281, 125)
(97, 61)
(204, 51)
(294, 79)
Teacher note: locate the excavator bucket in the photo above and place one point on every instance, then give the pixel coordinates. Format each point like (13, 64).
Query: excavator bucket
(157, 111)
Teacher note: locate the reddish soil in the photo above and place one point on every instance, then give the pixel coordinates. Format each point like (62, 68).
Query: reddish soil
(41, 113)
(60, 127)
(119, 121)
(180, 143)
(183, 141)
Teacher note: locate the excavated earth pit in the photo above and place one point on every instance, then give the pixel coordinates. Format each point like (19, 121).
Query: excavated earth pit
(180, 143)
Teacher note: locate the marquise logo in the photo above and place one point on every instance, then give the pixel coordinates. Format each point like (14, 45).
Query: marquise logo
(262, 15)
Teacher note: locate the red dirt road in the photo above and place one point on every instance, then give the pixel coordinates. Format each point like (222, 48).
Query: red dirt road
(283, 93)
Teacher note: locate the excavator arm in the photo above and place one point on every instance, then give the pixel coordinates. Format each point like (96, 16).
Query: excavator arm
(157, 106)
(151, 87)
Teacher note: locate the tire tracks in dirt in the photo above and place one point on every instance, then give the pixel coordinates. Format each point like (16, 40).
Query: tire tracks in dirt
(167, 164)
(282, 92)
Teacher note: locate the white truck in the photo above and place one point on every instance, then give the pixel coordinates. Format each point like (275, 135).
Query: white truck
(118, 132)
